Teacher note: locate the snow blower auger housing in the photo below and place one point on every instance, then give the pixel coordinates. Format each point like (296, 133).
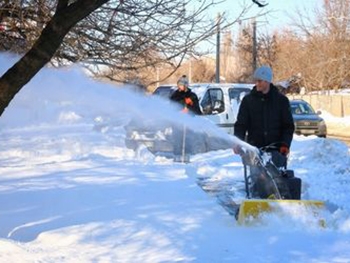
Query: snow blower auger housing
(272, 188)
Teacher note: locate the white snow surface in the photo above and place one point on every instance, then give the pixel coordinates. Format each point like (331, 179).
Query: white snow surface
(70, 191)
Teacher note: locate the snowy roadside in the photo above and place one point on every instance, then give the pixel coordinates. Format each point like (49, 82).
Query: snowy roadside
(336, 126)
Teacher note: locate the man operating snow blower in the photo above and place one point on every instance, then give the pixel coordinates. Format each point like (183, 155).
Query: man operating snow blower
(265, 121)
(264, 114)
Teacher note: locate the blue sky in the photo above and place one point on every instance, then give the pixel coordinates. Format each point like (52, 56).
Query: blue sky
(279, 10)
(278, 17)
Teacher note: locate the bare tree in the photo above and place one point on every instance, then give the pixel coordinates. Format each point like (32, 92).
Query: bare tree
(324, 45)
(267, 47)
(124, 35)
(244, 46)
(66, 16)
(127, 37)
(21, 23)
(139, 34)
(203, 70)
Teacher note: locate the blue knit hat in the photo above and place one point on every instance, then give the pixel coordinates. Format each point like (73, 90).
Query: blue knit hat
(183, 81)
(263, 73)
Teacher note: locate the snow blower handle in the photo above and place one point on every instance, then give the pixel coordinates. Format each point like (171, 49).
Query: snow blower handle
(281, 147)
(237, 149)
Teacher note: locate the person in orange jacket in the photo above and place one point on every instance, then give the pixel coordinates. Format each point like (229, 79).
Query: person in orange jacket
(185, 97)
(188, 103)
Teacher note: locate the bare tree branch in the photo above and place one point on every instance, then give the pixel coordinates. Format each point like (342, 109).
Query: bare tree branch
(44, 48)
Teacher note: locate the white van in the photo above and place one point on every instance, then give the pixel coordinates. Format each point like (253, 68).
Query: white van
(218, 102)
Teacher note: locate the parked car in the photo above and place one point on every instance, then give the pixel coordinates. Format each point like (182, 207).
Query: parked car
(306, 120)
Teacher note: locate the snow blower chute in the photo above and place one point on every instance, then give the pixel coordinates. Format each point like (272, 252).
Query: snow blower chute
(273, 189)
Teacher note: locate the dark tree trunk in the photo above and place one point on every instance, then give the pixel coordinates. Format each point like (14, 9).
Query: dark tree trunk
(43, 50)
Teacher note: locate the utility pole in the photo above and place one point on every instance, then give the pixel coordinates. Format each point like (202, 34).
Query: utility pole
(255, 49)
(217, 72)
(190, 71)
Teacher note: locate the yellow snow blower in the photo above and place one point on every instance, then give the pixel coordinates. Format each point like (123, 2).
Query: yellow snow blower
(273, 189)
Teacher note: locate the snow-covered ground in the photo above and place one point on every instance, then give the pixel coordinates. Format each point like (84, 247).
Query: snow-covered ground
(70, 191)
(336, 125)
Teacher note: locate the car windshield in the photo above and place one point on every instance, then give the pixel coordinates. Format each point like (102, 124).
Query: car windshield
(238, 93)
(301, 108)
(164, 91)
